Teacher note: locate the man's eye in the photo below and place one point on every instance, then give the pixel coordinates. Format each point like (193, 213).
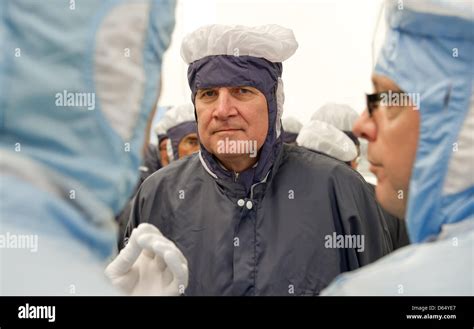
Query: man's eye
(244, 91)
(192, 141)
(207, 93)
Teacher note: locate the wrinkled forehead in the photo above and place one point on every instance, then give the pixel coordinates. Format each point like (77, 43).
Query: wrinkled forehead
(233, 71)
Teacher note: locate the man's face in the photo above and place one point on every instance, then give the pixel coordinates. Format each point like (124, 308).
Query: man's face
(163, 154)
(231, 114)
(188, 145)
(392, 133)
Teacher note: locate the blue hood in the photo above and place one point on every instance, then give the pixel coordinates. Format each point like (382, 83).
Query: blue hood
(76, 100)
(229, 71)
(177, 133)
(432, 55)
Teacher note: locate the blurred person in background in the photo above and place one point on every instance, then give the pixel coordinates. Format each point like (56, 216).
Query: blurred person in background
(291, 128)
(177, 130)
(75, 103)
(330, 132)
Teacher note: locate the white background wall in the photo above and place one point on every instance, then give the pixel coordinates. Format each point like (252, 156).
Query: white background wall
(332, 64)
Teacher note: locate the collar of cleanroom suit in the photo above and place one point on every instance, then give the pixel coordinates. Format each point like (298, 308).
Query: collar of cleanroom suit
(277, 234)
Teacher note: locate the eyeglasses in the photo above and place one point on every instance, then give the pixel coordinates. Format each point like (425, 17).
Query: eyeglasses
(373, 100)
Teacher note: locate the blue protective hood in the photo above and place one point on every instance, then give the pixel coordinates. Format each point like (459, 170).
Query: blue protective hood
(226, 70)
(177, 133)
(432, 55)
(93, 143)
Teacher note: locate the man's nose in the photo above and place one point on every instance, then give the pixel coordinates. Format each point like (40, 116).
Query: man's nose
(225, 106)
(365, 127)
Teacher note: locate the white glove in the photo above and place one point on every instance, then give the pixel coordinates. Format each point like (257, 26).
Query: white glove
(150, 264)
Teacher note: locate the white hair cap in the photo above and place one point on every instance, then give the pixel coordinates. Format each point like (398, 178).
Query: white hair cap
(272, 42)
(325, 138)
(291, 125)
(339, 115)
(175, 116)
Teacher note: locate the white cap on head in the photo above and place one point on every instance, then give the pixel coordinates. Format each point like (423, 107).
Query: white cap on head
(325, 132)
(272, 42)
(291, 125)
(340, 116)
(325, 138)
(175, 116)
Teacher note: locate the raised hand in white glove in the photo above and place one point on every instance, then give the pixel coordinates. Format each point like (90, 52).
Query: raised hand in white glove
(150, 264)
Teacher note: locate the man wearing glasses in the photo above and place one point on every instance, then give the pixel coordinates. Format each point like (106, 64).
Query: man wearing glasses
(422, 154)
